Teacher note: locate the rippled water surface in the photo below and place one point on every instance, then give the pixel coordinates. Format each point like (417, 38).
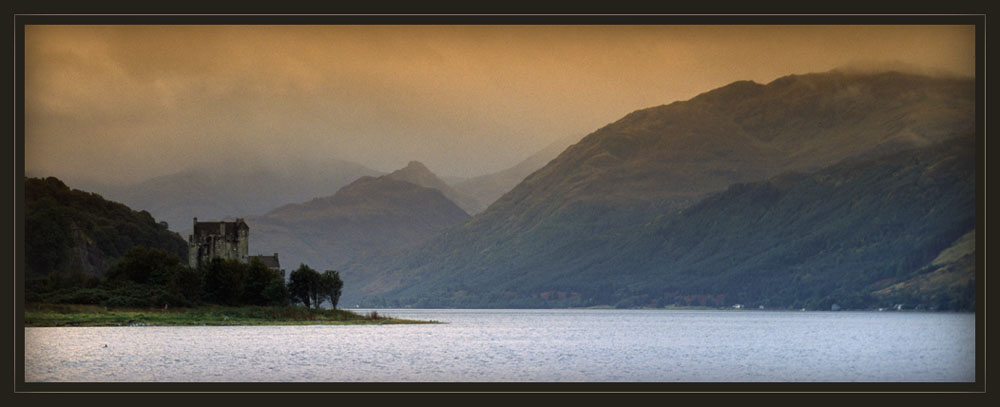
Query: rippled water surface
(525, 345)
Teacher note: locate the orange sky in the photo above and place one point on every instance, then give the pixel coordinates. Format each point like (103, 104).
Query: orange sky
(124, 103)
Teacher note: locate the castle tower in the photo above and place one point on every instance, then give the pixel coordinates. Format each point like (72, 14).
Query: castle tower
(226, 240)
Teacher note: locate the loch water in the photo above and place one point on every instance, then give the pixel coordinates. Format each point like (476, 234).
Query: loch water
(525, 346)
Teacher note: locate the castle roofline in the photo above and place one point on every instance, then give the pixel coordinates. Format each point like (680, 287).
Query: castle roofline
(219, 227)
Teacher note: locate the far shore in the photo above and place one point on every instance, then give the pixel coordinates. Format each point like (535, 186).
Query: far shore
(60, 315)
(679, 308)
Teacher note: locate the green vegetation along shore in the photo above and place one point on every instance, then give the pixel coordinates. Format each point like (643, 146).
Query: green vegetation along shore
(48, 315)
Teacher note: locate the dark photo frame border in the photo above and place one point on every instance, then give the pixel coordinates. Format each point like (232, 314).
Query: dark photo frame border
(28, 17)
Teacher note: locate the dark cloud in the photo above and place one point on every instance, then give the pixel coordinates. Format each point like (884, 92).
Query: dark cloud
(124, 103)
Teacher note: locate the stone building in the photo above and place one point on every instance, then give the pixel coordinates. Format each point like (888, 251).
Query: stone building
(227, 240)
(271, 262)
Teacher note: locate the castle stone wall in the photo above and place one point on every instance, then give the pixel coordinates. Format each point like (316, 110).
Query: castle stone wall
(225, 240)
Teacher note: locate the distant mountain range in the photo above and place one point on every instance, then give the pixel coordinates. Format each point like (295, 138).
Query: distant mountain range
(369, 214)
(256, 195)
(179, 198)
(561, 230)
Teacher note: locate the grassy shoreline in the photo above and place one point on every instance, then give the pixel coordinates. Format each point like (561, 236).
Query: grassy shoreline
(56, 315)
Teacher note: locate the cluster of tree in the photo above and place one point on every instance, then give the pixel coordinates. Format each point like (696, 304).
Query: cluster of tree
(83, 249)
(155, 278)
(310, 287)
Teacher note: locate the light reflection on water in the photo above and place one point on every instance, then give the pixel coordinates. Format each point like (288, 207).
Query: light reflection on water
(525, 346)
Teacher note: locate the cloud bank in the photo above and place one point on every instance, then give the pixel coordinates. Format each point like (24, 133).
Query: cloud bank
(124, 103)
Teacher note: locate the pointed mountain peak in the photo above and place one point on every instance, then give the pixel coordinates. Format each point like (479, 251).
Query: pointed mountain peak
(416, 165)
(417, 173)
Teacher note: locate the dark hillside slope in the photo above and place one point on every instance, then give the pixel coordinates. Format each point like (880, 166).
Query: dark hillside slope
(71, 230)
(809, 240)
(834, 236)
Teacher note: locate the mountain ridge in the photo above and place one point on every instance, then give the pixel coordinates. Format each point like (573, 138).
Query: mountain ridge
(179, 197)
(368, 214)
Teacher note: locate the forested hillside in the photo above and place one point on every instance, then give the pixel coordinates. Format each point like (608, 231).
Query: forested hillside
(72, 230)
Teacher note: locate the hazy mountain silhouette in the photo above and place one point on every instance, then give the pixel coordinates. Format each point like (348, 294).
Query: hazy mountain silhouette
(417, 173)
(180, 197)
(368, 214)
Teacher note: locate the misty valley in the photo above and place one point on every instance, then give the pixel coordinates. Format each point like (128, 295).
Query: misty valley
(836, 190)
